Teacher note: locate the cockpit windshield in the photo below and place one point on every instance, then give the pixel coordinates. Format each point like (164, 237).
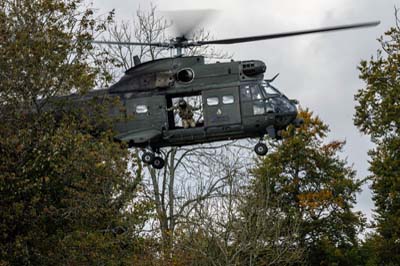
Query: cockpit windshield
(269, 89)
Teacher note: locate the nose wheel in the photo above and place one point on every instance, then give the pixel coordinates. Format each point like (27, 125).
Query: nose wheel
(150, 158)
(261, 149)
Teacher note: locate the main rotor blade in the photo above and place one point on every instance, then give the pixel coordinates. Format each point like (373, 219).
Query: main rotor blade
(288, 34)
(156, 44)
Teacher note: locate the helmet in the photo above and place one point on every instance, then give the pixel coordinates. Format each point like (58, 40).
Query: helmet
(182, 103)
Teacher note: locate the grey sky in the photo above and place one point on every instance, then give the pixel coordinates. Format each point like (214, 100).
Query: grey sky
(319, 70)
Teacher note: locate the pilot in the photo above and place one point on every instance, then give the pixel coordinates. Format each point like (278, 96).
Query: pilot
(185, 112)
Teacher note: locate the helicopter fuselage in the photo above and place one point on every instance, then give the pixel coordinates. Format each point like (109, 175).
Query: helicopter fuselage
(233, 99)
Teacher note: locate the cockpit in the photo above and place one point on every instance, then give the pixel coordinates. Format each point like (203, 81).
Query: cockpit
(266, 98)
(268, 89)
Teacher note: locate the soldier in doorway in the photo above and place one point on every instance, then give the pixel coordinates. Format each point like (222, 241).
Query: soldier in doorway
(185, 112)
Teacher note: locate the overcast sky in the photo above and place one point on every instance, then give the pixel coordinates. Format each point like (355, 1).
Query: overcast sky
(319, 70)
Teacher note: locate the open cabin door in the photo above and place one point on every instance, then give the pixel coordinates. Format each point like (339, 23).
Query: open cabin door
(221, 107)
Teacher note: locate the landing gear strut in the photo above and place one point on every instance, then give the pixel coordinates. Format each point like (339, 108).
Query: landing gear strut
(150, 158)
(261, 149)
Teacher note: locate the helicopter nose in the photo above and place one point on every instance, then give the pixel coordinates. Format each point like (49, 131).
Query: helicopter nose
(283, 105)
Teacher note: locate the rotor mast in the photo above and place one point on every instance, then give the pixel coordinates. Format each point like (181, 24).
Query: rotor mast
(178, 51)
(179, 43)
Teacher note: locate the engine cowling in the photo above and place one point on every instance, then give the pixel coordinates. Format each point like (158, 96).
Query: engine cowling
(253, 68)
(185, 75)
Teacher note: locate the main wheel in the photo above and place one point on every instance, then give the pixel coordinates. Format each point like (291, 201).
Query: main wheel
(158, 162)
(148, 157)
(261, 149)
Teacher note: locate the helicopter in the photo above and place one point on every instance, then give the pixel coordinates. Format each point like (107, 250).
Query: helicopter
(233, 99)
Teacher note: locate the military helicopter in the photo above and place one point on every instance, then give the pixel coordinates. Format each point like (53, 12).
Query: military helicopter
(234, 99)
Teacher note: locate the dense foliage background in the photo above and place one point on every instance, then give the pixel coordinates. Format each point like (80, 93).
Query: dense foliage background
(65, 192)
(70, 195)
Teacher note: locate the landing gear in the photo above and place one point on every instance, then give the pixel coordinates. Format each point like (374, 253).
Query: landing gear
(261, 149)
(149, 157)
(158, 162)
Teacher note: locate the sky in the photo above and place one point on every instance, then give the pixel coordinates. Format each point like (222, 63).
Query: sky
(319, 70)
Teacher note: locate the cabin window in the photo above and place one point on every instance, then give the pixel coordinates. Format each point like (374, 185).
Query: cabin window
(141, 109)
(211, 101)
(245, 93)
(228, 99)
(256, 92)
(258, 108)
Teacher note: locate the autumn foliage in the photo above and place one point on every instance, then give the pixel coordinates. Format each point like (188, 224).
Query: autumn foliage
(316, 184)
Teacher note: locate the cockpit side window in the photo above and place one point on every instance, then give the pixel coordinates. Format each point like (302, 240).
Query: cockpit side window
(256, 92)
(258, 108)
(245, 93)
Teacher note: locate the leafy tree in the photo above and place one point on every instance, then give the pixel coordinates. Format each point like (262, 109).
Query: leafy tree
(368, 250)
(67, 197)
(267, 233)
(312, 182)
(378, 115)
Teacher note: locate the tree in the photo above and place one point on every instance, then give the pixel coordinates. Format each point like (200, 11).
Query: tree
(312, 182)
(378, 115)
(205, 230)
(268, 233)
(67, 197)
(147, 27)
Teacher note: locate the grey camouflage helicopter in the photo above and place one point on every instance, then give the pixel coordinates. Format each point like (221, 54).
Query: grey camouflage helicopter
(233, 99)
